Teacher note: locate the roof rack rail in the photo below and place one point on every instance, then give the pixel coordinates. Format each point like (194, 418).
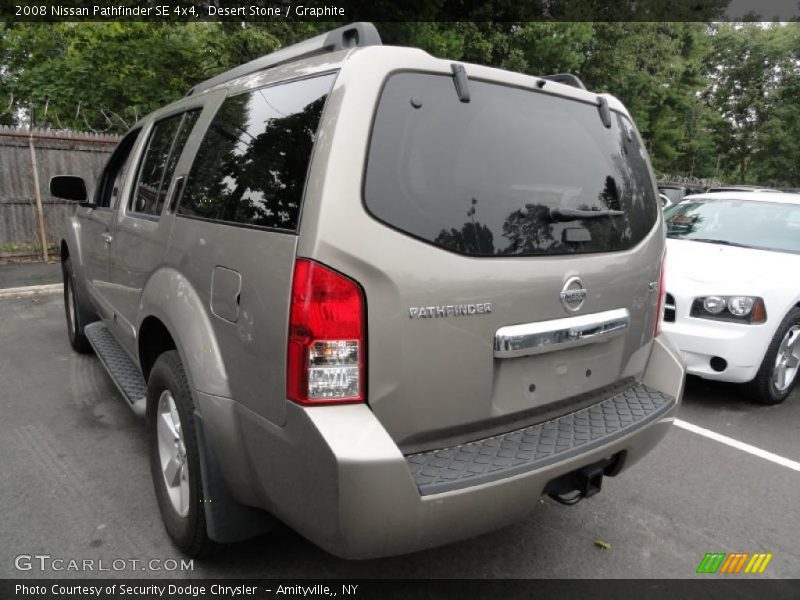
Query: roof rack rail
(341, 38)
(566, 79)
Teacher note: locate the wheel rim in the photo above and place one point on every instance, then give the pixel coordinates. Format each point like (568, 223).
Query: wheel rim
(70, 307)
(172, 453)
(787, 360)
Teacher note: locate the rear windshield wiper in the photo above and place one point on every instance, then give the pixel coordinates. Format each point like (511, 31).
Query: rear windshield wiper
(571, 214)
(460, 81)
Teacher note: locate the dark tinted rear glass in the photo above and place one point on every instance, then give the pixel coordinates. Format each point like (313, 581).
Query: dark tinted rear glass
(481, 178)
(251, 166)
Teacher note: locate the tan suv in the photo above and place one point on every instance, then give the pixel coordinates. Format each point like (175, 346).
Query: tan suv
(388, 299)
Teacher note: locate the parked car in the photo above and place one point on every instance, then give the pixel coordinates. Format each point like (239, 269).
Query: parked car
(678, 191)
(675, 193)
(665, 201)
(733, 289)
(389, 299)
(738, 188)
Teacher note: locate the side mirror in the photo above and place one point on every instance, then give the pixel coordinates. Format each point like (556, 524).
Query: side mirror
(68, 187)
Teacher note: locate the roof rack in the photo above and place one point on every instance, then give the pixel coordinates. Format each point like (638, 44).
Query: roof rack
(566, 79)
(341, 38)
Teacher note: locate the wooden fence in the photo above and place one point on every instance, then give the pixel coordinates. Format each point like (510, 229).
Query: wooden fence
(57, 153)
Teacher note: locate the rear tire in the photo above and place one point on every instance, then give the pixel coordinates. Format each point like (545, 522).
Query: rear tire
(778, 374)
(174, 456)
(73, 311)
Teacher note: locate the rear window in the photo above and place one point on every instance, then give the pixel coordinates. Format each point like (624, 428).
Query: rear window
(499, 175)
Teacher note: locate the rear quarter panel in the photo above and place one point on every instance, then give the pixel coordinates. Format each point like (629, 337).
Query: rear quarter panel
(252, 349)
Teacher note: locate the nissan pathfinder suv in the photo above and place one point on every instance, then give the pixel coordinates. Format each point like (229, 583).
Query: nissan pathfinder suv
(387, 299)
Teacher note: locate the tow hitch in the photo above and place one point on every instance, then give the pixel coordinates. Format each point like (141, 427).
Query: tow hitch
(585, 482)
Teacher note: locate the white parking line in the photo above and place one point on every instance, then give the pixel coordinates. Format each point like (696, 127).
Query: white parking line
(31, 290)
(724, 439)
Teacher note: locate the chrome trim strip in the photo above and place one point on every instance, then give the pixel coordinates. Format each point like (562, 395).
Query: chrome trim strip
(548, 336)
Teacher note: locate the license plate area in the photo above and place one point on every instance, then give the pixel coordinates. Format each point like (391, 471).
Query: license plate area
(529, 382)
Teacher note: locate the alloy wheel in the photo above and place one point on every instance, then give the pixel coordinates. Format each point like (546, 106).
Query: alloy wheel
(787, 360)
(172, 453)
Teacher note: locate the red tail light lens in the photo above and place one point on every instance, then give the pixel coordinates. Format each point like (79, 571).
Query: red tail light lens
(662, 294)
(325, 360)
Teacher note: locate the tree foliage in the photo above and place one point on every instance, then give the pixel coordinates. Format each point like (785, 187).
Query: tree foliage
(753, 72)
(710, 100)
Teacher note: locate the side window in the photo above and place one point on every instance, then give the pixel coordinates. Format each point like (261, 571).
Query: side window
(251, 166)
(112, 179)
(158, 163)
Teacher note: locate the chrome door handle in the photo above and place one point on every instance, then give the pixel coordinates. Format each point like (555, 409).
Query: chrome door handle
(108, 238)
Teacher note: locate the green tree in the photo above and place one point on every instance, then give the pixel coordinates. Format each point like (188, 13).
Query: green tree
(776, 160)
(710, 100)
(104, 76)
(746, 73)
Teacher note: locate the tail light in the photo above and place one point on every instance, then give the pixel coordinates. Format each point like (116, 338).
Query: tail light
(325, 359)
(662, 294)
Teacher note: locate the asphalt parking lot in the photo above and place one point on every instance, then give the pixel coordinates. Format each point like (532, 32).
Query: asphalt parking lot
(74, 484)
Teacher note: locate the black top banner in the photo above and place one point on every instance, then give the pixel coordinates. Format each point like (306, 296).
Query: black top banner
(395, 11)
(472, 589)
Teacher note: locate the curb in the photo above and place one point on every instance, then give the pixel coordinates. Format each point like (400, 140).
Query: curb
(31, 290)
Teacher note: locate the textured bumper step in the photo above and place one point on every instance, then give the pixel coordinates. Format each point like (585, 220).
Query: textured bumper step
(120, 367)
(533, 447)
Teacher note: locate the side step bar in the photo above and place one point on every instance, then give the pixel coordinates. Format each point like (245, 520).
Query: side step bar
(123, 371)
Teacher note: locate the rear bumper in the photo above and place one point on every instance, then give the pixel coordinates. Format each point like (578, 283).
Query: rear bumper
(335, 475)
(538, 446)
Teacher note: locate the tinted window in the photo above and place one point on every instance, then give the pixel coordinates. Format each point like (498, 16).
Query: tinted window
(753, 224)
(113, 177)
(251, 166)
(482, 178)
(160, 158)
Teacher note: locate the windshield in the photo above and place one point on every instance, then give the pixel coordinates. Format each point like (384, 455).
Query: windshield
(748, 223)
(505, 173)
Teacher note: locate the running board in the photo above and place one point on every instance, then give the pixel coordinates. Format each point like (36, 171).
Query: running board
(123, 371)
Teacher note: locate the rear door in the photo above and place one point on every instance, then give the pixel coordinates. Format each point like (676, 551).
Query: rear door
(508, 258)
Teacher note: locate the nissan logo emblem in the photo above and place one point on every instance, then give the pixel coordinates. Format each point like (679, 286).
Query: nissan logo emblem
(573, 294)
